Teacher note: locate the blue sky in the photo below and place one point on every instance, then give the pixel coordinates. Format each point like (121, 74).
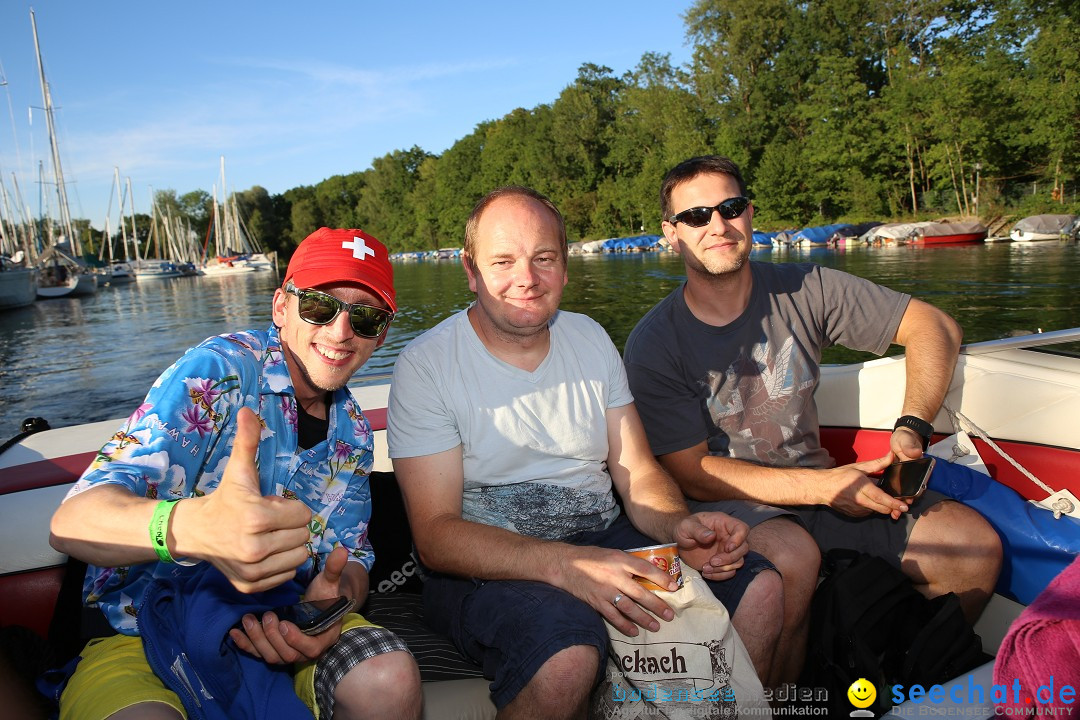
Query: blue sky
(290, 93)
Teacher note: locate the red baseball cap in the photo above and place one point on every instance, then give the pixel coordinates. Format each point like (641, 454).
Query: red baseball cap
(329, 256)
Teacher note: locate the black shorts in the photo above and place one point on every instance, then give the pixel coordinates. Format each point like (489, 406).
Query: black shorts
(874, 534)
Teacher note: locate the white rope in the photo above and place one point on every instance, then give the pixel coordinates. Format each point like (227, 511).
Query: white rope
(978, 431)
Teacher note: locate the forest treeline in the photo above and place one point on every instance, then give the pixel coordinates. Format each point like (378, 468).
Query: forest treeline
(836, 110)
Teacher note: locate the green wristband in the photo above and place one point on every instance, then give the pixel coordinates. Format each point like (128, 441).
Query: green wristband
(159, 530)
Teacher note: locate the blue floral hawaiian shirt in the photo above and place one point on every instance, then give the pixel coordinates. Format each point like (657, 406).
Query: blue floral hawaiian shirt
(176, 445)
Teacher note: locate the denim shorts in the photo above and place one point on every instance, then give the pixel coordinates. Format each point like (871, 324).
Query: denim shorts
(510, 628)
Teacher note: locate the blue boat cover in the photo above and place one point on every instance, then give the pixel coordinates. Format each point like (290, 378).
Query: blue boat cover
(818, 235)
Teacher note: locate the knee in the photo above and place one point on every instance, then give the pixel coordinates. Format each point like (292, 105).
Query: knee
(396, 669)
(953, 546)
(986, 546)
(798, 560)
(972, 540)
(987, 540)
(387, 680)
(572, 668)
(560, 688)
(761, 608)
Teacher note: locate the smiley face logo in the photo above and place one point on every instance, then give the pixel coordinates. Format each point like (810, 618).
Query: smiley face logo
(862, 693)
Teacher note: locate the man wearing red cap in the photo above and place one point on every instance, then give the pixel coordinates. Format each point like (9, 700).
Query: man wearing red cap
(248, 463)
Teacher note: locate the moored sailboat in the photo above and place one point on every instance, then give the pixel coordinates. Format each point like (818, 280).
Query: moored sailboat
(234, 249)
(62, 270)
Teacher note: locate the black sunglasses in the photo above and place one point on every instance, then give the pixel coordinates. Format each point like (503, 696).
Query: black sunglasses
(702, 216)
(318, 308)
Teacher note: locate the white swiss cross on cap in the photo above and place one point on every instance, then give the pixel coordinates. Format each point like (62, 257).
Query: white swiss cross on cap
(359, 248)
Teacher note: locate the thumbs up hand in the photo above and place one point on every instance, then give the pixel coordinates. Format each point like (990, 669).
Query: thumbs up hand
(256, 541)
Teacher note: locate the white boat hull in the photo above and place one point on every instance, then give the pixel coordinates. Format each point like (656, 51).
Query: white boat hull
(1028, 236)
(226, 269)
(77, 285)
(18, 287)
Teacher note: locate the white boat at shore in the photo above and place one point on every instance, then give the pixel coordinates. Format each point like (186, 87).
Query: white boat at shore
(1035, 228)
(61, 272)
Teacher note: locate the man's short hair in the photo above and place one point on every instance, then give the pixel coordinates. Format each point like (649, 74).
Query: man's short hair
(687, 170)
(508, 191)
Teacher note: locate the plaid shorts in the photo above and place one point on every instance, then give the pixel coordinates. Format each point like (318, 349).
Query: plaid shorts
(353, 647)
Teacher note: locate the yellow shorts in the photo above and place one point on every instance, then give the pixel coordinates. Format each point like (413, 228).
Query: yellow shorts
(113, 674)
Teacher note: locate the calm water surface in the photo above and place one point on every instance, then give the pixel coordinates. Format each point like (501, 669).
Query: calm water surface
(86, 359)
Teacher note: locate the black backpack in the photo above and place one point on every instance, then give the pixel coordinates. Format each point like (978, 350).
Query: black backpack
(868, 621)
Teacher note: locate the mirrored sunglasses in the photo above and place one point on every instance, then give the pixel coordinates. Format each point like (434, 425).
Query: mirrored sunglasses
(702, 216)
(318, 308)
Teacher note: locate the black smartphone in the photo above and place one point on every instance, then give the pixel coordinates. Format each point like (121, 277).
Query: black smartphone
(907, 479)
(312, 616)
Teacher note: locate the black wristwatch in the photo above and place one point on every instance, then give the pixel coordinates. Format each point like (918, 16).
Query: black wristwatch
(922, 428)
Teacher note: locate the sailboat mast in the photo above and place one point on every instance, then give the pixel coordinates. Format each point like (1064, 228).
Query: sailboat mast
(134, 231)
(219, 241)
(154, 232)
(228, 227)
(58, 172)
(120, 200)
(29, 236)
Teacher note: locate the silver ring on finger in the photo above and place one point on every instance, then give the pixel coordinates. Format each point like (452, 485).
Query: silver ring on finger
(618, 597)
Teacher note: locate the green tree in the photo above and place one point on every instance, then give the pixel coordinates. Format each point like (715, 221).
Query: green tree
(304, 215)
(739, 50)
(658, 123)
(458, 185)
(518, 149)
(1051, 93)
(384, 207)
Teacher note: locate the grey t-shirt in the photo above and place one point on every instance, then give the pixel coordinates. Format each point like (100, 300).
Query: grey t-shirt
(534, 444)
(747, 388)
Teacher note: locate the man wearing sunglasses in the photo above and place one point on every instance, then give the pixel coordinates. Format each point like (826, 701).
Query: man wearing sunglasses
(724, 371)
(243, 478)
(511, 428)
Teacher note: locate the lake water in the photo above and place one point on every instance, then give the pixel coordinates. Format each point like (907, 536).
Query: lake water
(85, 359)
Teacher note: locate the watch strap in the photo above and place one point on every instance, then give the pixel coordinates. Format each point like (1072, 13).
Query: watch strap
(922, 428)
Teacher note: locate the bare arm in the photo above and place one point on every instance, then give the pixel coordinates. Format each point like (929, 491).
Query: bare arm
(257, 542)
(105, 511)
(653, 502)
(713, 543)
(931, 340)
(846, 488)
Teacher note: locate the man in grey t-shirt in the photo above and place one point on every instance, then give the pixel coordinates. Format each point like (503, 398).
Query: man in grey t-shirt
(512, 429)
(723, 372)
